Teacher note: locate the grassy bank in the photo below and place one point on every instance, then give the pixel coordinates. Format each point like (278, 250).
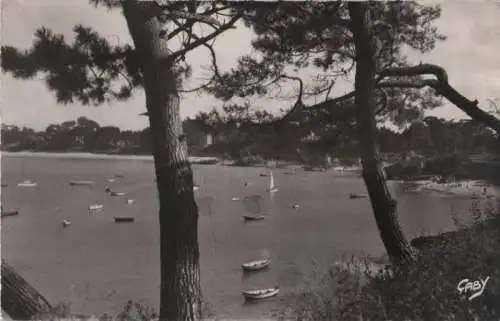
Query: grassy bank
(426, 290)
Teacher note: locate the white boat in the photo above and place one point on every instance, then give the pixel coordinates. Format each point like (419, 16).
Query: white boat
(261, 293)
(96, 207)
(272, 186)
(196, 187)
(255, 265)
(235, 199)
(112, 193)
(27, 183)
(81, 183)
(130, 201)
(110, 180)
(66, 223)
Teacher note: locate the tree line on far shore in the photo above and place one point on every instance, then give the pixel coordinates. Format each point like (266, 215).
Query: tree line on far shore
(432, 136)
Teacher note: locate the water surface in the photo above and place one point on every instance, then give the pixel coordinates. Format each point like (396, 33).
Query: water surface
(98, 265)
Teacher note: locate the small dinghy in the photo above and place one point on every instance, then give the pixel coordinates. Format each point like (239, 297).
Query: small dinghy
(110, 180)
(255, 265)
(124, 219)
(66, 223)
(235, 199)
(81, 183)
(112, 193)
(96, 207)
(130, 201)
(27, 183)
(355, 196)
(196, 187)
(261, 293)
(250, 218)
(10, 212)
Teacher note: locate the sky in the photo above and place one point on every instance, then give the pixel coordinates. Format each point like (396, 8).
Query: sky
(470, 55)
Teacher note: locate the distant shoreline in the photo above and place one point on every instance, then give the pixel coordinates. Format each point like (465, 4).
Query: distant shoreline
(101, 156)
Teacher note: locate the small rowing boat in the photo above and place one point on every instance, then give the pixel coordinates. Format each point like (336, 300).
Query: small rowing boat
(112, 193)
(27, 183)
(255, 265)
(124, 219)
(355, 196)
(10, 212)
(249, 218)
(261, 293)
(81, 183)
(66, 223)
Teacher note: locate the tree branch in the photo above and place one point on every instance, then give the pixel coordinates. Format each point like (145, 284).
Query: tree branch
(204, 40)
(214, 60)
(443, 87)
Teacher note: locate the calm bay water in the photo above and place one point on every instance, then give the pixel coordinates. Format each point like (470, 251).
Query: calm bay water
(98, 265)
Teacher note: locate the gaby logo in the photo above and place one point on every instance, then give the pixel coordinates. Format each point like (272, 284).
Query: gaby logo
(475, 287)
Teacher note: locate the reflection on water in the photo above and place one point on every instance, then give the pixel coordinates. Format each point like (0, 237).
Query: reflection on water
(100, 257)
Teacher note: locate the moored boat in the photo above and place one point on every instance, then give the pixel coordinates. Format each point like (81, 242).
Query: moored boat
(249, 218)
(260, 294)
(81, 183)
(255, 265)
(10, 212)
(66, 223)
(27, 183)
(113, 193)
(354, 196)
(123, 219)
(272, 185)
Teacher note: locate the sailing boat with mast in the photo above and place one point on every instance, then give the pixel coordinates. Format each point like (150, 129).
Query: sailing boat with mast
(272, 186)
(26, 183)
(252, 205)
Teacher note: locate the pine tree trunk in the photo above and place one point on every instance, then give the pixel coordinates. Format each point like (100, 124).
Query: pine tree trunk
(383, 205)
(180, 292)
(19, 299)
